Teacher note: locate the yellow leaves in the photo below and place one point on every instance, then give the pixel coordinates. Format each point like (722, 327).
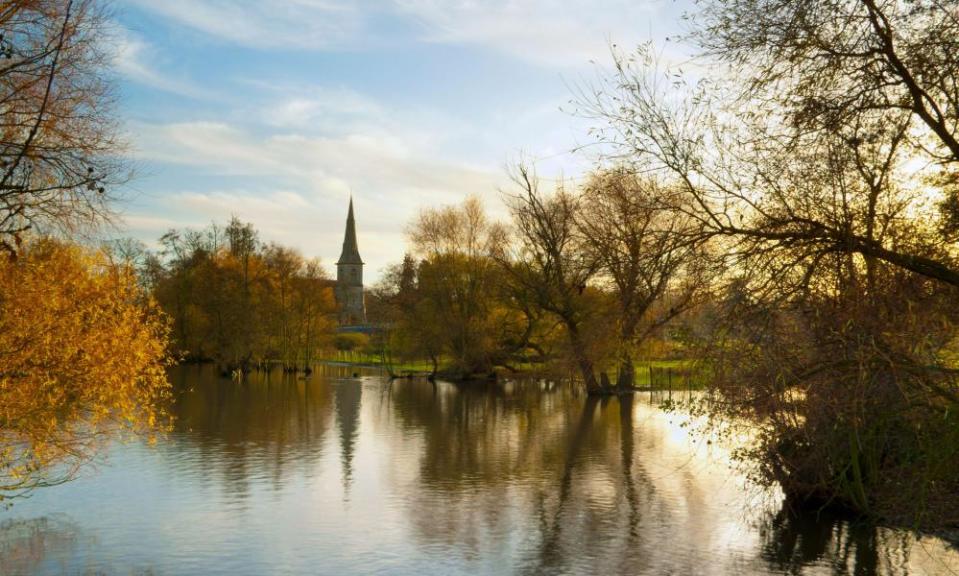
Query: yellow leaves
(79, 356)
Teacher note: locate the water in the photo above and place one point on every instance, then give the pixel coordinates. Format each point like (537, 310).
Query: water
(339, 475)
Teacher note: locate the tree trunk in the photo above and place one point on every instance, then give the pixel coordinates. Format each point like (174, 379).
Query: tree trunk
(627, 374)
(626, 380)
(583, 361)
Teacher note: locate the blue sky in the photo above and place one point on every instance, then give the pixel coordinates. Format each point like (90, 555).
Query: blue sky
(274, 110)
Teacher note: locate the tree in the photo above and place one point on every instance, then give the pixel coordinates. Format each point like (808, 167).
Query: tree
(350, 342)
(547, 265)
(315, 310)
(284, 266)
(637, 240)
(59, 150)
(458, 285)
(845, 60)
(868, 85)
(823, 172)
(404, 318)
(82, 355)
(240, 302)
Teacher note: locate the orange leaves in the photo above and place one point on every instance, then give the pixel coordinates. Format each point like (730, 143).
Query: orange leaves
(82, 353)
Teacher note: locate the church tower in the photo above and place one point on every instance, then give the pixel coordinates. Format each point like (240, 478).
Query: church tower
(349, 277)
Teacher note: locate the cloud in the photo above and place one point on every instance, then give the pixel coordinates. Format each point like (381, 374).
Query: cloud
(311, 108)
(554, 33)
(295, 187)
(290, 155)
(384, 163)
(304, 24)
(131, 58)
(564, 33)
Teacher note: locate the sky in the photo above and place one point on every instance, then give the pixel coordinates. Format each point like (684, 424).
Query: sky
(277, 110)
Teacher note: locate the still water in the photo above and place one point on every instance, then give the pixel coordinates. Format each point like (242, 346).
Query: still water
(340, 475)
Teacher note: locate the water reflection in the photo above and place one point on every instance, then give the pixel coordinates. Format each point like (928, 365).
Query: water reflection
(336, 474)
(347, 418)
(268, 427)
(794, 540)
(31, 546)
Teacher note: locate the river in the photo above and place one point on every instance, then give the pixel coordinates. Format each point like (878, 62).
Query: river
(342, 475)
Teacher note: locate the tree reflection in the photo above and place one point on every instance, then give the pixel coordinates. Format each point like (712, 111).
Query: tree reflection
(28, 546)
(269, 424)
(597, 520)
(498, 457)
(508, 477)
(555, 482)
(794, 540)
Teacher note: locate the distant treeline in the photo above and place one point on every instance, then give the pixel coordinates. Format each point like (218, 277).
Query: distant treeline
(238, 301)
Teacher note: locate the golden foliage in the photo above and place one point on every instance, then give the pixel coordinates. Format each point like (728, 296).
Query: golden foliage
(82, 355)
(243, 303)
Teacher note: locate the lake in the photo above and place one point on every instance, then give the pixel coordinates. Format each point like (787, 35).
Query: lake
(340, 475)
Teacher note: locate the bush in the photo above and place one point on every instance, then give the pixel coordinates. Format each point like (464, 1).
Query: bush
(351, 341)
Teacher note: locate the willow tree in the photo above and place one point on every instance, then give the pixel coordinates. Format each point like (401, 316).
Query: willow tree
(458, 284)
(819, 156)
(82, 356)
(82, 347)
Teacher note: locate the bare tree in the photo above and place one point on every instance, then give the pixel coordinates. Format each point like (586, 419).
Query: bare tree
(548, 263)
(59, 150)
(639, 242)
(818, 157)
(833, 62)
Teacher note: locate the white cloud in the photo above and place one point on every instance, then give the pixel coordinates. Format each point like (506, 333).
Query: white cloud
(381, 163)
(298, 185)
(306, 24)
(564, 33)
(329, 110)
(132, 58)
(561, 33)
(320, 108)
(288, 159)
(149, 224)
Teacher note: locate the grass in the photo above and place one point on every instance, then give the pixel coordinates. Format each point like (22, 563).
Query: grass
(361, 358)
(663, 373)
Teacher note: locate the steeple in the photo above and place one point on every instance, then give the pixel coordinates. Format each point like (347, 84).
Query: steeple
(349, 277)
(351, 253)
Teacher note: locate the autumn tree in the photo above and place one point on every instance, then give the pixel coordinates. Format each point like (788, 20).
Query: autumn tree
(284, 265)
(240, 302)
(82, 355)
(314, 308)
(59, 150)
(408, 328)
(82, 345)
(458, 284)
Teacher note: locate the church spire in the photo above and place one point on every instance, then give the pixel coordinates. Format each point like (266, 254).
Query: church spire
(351, 253)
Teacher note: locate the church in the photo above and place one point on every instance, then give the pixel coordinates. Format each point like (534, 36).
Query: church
(350, 299)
